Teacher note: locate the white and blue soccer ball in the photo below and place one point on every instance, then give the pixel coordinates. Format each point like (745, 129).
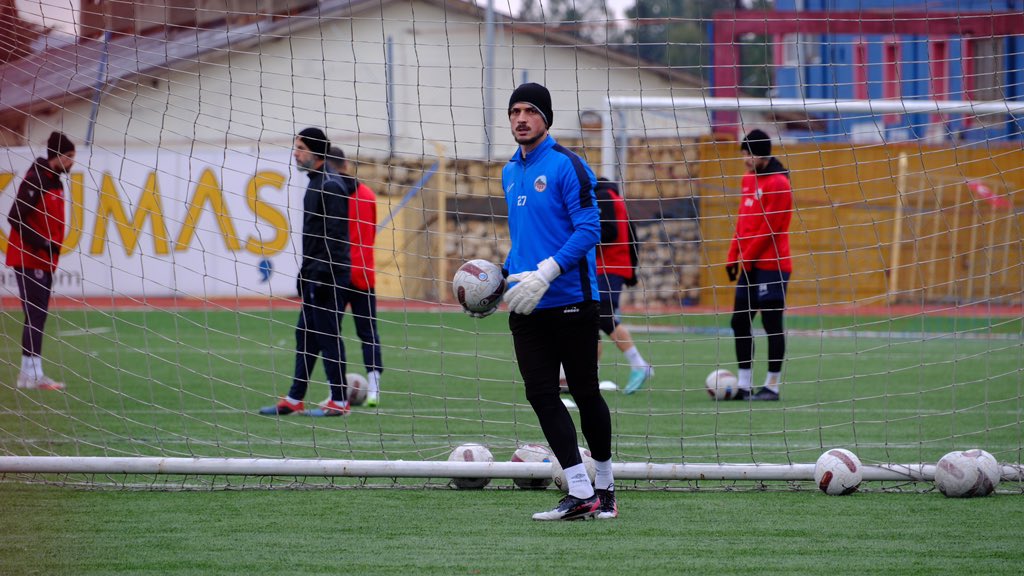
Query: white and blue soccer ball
(721, 384)
(478, 285)
(838, 472)
(968, 473)
(558, 475)
(470, 453)
(533, 453)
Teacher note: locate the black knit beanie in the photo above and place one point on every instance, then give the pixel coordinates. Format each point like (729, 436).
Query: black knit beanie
(316, 141)
(535, 95)
(58, 145)
(757, 143)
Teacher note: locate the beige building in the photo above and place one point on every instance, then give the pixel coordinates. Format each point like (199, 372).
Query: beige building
(194, 112)
(385, 77)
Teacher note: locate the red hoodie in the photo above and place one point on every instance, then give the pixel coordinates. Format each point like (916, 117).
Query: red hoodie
(614, 253)
(37, 220)
(762, 224)
(362, 232)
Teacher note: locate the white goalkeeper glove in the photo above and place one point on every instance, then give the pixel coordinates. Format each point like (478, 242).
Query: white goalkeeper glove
(524, 296)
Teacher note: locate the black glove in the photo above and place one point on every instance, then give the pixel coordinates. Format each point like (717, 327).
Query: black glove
(733, 270)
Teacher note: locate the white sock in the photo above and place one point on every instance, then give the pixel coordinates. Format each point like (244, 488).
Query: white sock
(746, 378)
(603, 479)
(26, 366)
(37, 367)
(579, 482)
(771, 381)
(635, 359)
(373, 379)
(292, 401)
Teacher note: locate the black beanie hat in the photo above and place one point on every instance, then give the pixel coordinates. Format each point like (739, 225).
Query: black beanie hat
(58, 144)
(315, 140)
(535, 95)
(336, 153)
(757, 143)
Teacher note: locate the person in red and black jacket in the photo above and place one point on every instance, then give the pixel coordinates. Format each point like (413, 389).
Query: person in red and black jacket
(362, 233)
(37, 235)
(616, 267)
(759, 260)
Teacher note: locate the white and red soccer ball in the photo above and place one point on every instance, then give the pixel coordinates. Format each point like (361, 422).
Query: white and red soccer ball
(533, 453)
(967, 473)
(470, 453)
(721, 384)
(558, 475)
(357, 387)
(478, 285)
(838, 472)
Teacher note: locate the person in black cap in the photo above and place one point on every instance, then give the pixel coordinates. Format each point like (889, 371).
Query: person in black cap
(759, 261)
(33, 251)
(323, 277)
(555, 225)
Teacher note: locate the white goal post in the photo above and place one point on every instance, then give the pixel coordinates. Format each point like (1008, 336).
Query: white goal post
(615, 125)
(430, 469)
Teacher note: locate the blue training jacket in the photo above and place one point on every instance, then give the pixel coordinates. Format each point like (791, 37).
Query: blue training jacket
(552, 212)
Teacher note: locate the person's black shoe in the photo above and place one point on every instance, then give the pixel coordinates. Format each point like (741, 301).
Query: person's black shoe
(741, 394)
(609, 508)
(572, 508)
(765, 395)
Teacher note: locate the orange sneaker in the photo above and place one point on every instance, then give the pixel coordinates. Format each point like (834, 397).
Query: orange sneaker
(282, 408)
(330, 408)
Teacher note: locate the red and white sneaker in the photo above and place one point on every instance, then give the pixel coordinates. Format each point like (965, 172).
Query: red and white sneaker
(44, 383)
(330, 408)
(282, 408)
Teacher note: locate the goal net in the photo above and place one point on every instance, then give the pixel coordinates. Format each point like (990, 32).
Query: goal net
(174, 309)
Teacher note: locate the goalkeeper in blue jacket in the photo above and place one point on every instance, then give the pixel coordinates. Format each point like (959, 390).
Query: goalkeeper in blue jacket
(554, 224)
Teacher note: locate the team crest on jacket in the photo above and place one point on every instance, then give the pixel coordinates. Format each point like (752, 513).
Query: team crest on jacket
(541, 183)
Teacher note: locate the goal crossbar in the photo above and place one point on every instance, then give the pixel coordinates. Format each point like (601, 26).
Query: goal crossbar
(444, 469)
(620, 104)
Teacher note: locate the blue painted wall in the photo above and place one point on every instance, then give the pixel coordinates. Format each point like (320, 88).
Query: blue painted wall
(829, 71)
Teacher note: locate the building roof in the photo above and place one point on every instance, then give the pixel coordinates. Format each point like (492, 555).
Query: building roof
(63, 74)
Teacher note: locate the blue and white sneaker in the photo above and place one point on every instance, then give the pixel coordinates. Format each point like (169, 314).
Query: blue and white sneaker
(638, 377)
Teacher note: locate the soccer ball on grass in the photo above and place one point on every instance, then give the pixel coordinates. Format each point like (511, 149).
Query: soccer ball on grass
(358, 387)
(532, 453)
(721, 384)
(968, 473)
(471, 453)
(838, 472)
(478, 286)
